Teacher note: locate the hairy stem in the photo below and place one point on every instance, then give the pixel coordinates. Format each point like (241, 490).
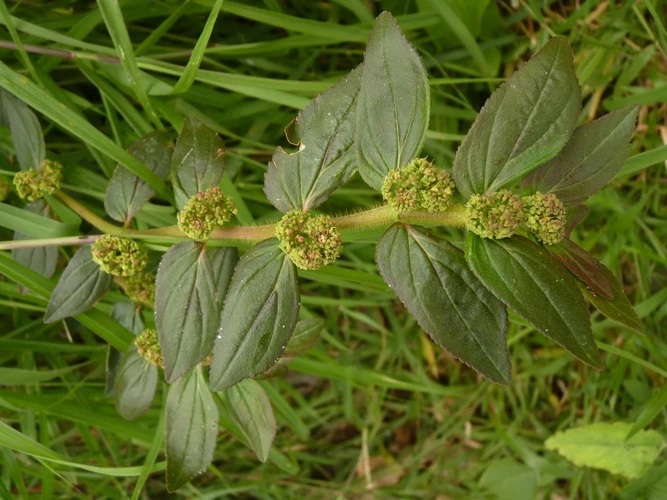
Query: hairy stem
(381, 216)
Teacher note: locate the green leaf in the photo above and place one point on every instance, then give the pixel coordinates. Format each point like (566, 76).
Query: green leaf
(190, 289)
(527, 279)
(394, 103)
(603, 446)
(650, 486)
(126, 193)
(651, 409)
(306, 333)
(326, 159)
(525, 122)
(198, 160)
(32, 224)
(135, 385)
(26, 131)
(592, 157)
(250, 409)
(81, 285)
(506, 479)
(431, 278)
(258, 318)
(128, 316)
(191, 428)
(42, 260)
(619, 308)
(583, 265)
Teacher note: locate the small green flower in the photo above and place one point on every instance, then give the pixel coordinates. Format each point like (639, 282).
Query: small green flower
(5, 189)
(544, 217)
(33, 184)
(119, 256)
(311, 241)
(495, 215)
(148, 347)
(204, 212)
(141, 288)
(418, 187)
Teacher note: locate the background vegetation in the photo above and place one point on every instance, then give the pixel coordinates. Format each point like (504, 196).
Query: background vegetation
(375, 408)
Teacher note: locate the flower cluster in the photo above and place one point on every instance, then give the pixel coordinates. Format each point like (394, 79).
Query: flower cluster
(311, 241)
(496, 215)
(148, 347)
(544, 217)
(420, 186)
(5, 189)
(33, 184)
(140, 288)
(119, 256)
(204, 212)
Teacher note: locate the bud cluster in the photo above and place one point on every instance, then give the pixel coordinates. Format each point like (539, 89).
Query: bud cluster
(140, 288)
(148, 347)
(544, 217)
(204, 212)
(420, 186)
(5, 189)
(33, 184)
(119, 256)
(311, 241)
(496, 215)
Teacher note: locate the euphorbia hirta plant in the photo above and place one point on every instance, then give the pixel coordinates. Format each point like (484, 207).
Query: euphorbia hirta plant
(517, 189)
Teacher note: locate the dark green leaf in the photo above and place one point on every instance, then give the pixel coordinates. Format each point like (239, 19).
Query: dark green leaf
(583, 265)
(40, 259)
(198, 160)
(529, 280)
(593, 156)
(618, 308)
(81, 285)
(326, 158)
(525, 122)
(190, 289)
(251, 411)
(431, 278)
(26, 131)
(305, 335)
(574, 216)
(394, 103)
(127, 193)
(128, 316)
(258, 318)
(135, 385)
(191, 428)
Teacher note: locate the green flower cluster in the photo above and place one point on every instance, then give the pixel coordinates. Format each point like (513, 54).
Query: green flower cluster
(544, 217)
(204, 212)
(140, 288)
(148, 347)
(5, 189)
(311, 241)
(420, 186)
(33, 184)
(496, 215)
(119, 256)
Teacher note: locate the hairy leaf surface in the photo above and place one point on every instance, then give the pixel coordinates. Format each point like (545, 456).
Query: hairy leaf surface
(259, 316)
(525, 122)
(128, 316)
(26, 131)
(251, 411)
(326, 159)
(81, 285)
(190, 289)
(126, 193)
(526, 278)
(394, 103)
(432, 279)
(583, 265)
(198, 161)
(191, 428)
(592, 157)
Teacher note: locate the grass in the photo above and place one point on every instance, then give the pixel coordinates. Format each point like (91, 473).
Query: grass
(375, 408)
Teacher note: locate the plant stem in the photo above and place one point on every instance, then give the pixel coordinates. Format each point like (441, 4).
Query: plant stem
(381, 216)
